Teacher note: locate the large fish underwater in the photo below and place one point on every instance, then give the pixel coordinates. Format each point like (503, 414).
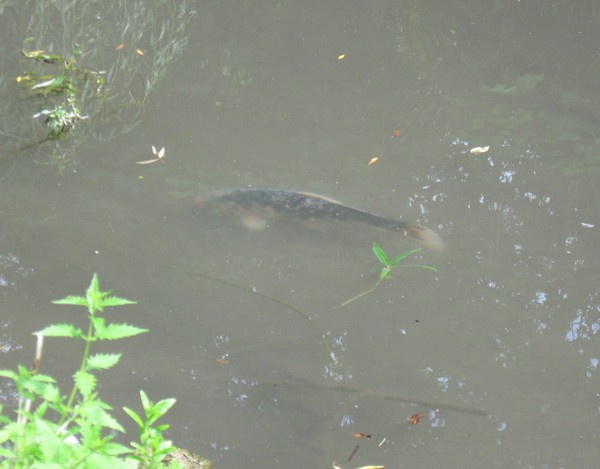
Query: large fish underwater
(256, 206)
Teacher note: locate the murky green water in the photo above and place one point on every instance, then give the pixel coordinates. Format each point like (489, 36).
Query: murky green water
(261, 97)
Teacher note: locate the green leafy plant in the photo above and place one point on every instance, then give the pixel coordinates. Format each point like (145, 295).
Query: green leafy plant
(387, 266)
(152, 447)
(61, 92)
(52, 430)
(86, 71)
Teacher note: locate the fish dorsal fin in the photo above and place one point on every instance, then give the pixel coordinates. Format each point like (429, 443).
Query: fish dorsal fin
(322, 197)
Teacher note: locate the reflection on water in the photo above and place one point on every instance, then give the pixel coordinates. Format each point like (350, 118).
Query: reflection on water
(508, 325)
(586, 323)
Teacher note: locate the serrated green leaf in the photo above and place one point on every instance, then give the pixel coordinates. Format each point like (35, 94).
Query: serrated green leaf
(98, 323)
(94, 286)
(117, 331)
(71, 300)
(51, 394)
(116, 301)
(50, 443)
(43, 378)
(95, 297)
(61, 330)
(109, 421)
(85, 382)
(9, 374)
(37, 384)
(41, 410)
(102, 361)
(380, 253)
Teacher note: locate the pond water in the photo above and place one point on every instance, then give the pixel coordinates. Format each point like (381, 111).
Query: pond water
(498, 349)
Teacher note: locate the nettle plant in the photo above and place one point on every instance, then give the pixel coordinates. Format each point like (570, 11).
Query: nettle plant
(52, 430)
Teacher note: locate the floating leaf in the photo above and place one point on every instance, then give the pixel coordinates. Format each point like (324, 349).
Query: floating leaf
(414, 419)
(479, 150)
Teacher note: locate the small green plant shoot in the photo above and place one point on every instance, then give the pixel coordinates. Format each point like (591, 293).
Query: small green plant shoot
(152, 447)
(388, 265)
(53, 430)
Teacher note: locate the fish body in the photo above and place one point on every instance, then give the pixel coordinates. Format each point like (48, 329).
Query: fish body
(258, 203)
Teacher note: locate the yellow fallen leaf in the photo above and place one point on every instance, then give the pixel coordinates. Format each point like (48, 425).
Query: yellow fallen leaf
(139, 52)
(415, 418)
(341, 56)
(373, 160)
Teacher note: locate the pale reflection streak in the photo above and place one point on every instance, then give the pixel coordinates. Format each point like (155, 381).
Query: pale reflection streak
(581, 327)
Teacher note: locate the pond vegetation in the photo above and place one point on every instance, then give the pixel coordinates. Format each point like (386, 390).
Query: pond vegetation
(54, 430)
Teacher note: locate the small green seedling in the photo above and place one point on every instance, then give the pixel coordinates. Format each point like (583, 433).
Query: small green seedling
(152, 448)
(388, 265)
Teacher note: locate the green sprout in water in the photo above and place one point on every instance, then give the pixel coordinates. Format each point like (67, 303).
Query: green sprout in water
(388, 265)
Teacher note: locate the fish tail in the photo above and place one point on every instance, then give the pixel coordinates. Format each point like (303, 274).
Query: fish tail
(429, 239)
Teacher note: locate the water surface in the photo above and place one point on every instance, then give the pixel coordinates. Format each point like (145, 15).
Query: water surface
(262, 97)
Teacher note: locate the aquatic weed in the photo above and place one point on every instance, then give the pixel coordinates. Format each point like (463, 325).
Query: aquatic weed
(388, 265)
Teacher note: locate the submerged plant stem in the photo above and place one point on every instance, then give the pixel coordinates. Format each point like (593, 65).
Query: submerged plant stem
(360, 295)
(376, 394)
(388, 266)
